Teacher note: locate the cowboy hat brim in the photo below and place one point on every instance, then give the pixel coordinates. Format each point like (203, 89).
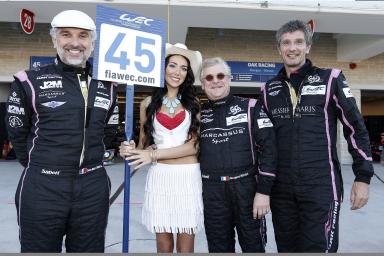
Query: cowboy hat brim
(194, 57)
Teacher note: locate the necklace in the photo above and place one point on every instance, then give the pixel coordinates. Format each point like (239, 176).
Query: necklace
(171, 104)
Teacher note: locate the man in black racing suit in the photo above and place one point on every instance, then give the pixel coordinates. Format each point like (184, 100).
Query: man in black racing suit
(236, 179)
(304, 103)
(56, 119)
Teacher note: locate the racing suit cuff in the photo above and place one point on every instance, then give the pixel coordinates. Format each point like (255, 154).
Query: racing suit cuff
(263, 188)
(363, 178)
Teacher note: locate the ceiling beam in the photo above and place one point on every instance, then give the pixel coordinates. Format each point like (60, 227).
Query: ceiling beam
(358, 47)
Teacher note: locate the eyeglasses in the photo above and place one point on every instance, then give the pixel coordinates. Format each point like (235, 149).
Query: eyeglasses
(219, 76)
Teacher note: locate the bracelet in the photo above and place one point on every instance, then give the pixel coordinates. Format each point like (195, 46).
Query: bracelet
(154, 161)
(153, 156)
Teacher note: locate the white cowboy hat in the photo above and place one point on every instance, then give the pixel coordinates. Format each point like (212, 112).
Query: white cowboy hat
(194, 57)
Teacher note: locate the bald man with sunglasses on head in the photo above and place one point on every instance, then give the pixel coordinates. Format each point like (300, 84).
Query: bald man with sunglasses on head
(237, 161)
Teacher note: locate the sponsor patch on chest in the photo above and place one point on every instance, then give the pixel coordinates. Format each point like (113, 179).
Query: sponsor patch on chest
(53, 104)
(234, 110)
(206, 120)
(54, 84)
(274, 93)
(101, 102)
(264, 123)
(313, 90)
(241, 118)
(51, 94)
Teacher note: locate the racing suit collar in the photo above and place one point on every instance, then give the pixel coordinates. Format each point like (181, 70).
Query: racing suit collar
(69, 68)
(301, 71)
(223, 101)
(297, 77)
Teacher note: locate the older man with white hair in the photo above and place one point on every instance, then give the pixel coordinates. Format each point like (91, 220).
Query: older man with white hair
(237, 161)
(57, 116)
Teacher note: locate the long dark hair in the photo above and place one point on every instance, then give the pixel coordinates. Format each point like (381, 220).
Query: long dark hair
(188, 100)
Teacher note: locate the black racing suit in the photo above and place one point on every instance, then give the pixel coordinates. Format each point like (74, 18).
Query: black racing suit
(306, 196)
(233, 131)
(64, 188)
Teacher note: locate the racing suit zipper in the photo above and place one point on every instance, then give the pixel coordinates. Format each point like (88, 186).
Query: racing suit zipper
(84, 91)
(295, 99)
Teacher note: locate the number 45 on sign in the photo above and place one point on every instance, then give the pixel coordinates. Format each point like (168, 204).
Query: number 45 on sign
(129, 56)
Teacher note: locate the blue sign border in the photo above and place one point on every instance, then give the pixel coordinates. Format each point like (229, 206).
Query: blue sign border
(107, 15)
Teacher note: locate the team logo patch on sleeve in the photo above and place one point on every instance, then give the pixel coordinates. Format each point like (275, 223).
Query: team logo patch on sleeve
(264, 123)
(347, 92)
(114, 119)
(101, 102)
(15, 122)
(16, 110)
(14, 98)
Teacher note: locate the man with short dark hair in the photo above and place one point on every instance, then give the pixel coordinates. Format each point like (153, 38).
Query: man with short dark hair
(56, 117)
(304, 103)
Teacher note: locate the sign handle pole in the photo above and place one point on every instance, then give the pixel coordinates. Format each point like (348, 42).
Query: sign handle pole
(129, 104)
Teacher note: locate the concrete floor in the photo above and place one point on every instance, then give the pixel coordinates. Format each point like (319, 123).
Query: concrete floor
(360, 231)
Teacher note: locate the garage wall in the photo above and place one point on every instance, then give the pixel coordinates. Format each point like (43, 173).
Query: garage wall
(246, 45)
(16, 47)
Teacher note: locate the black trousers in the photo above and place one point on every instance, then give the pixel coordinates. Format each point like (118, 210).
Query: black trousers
(228, 205)
(305, 218)
(57, 204)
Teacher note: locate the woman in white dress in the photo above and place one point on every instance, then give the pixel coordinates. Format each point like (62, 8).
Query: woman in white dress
(169, 135)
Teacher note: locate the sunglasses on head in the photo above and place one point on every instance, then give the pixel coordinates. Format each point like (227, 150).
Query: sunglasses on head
(219, 76)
